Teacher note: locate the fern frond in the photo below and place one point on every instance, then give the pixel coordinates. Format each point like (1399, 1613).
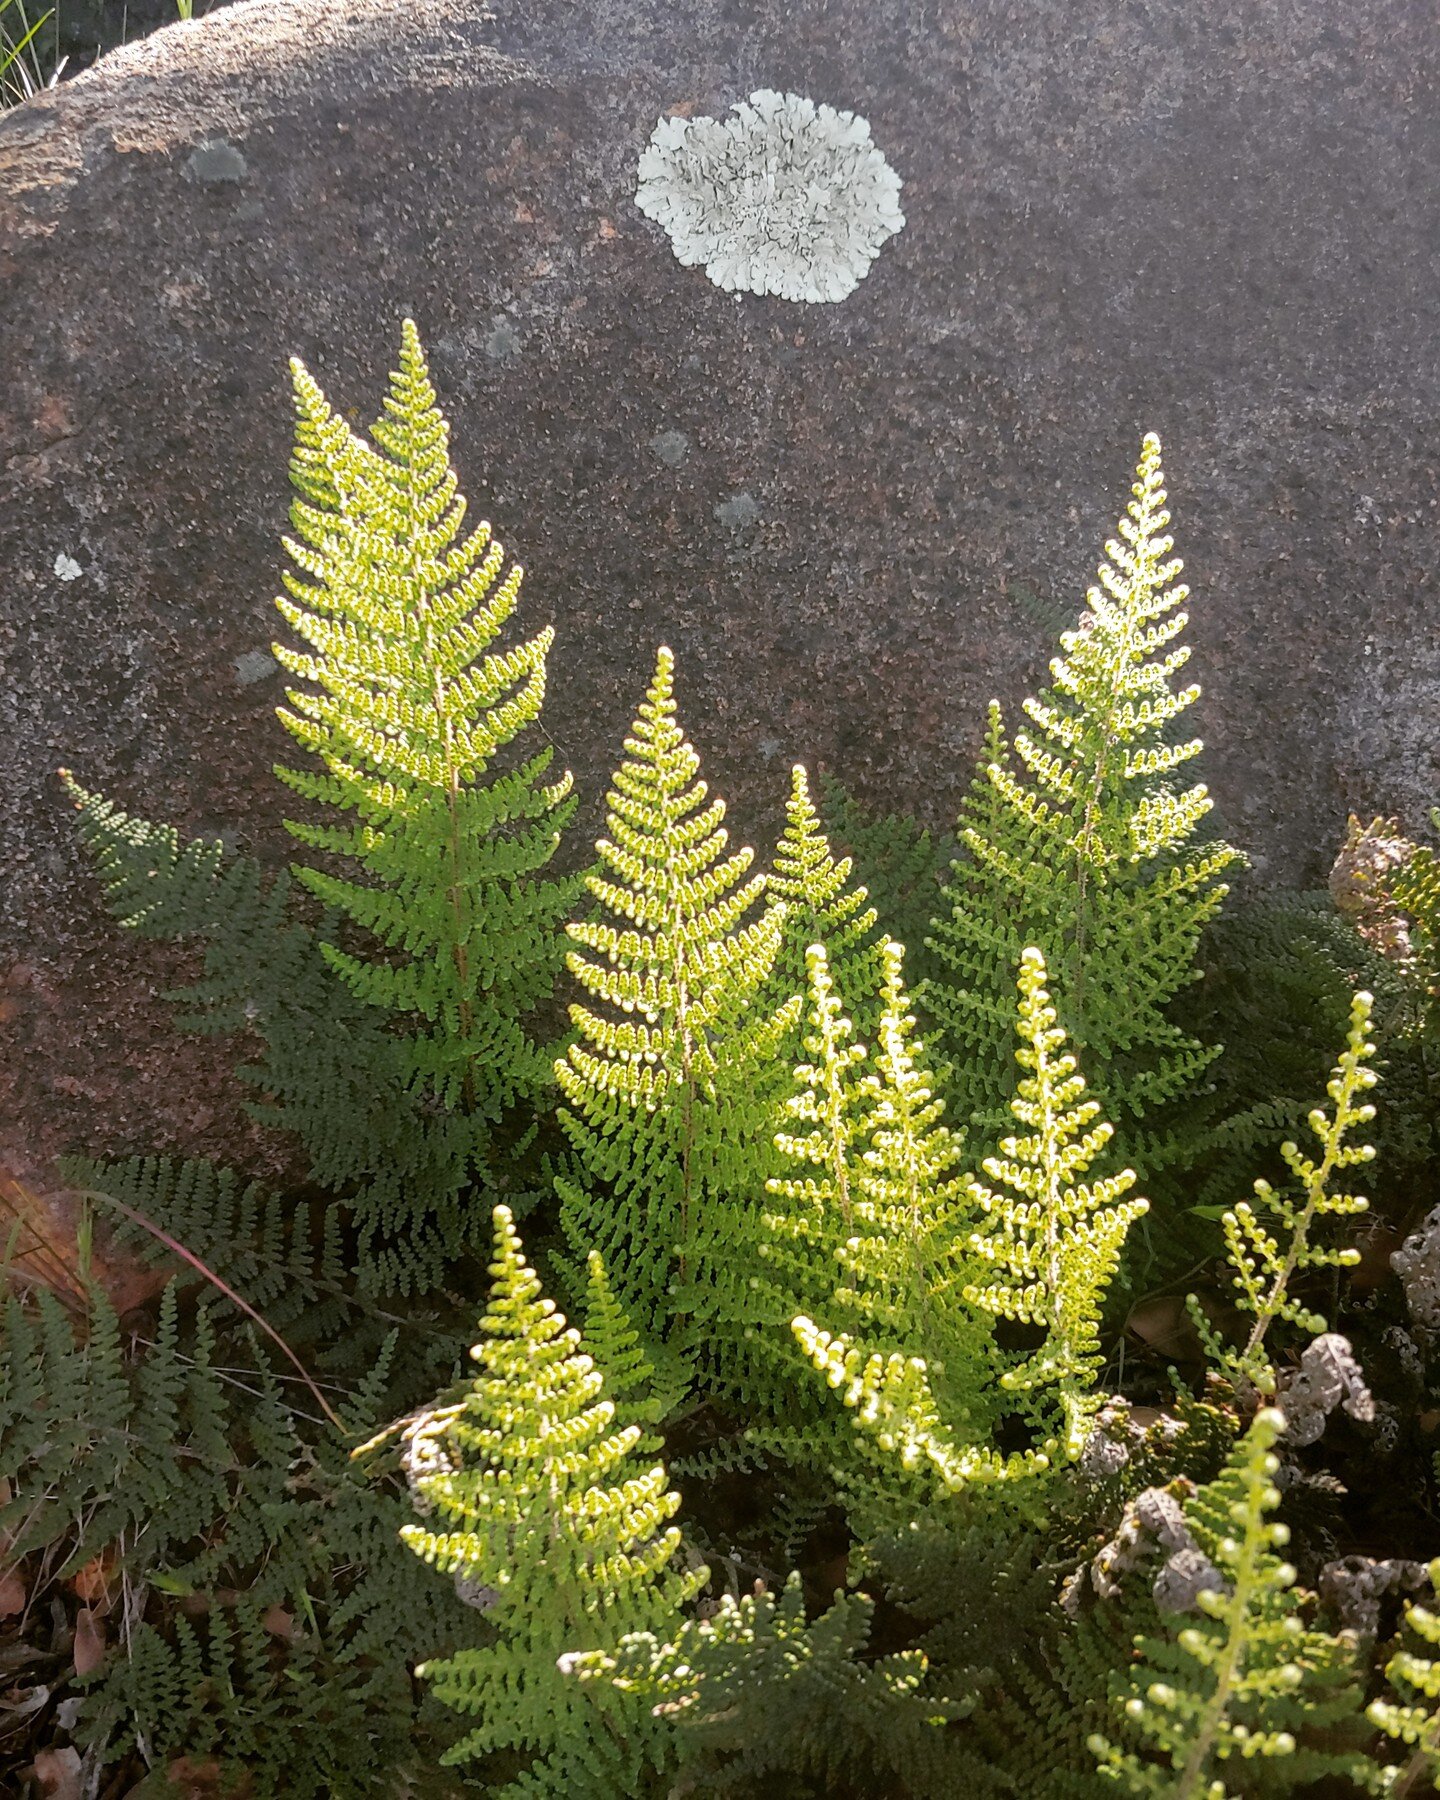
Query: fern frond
(1248, 1685)
(407, 705)
(756, 1692)
(825, 906)
(1412, 1716)
(542, 1498)
(329, 1071)
(1076, 838)
(1269, 1246)
(670, 1079)
(1054, 1241)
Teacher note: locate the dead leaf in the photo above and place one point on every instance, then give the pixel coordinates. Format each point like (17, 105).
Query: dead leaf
(13, 1593)
(191, 1778)
(58, 1773)
(1163, 1325)
(92, 1583)
(89, 1641)
(39, 1220)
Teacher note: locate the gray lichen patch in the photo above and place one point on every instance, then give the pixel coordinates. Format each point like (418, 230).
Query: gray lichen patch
(502, 341)
(255, 665)
(739, 512)
(214, 162)
(787, 197)
(672, 447)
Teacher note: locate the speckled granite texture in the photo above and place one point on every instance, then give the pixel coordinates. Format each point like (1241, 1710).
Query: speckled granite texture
(1220, 222)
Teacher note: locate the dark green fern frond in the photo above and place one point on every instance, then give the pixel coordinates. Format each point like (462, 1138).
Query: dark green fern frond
(757, 1694)
(188, 1479)
(330, 1071)
(901, 864)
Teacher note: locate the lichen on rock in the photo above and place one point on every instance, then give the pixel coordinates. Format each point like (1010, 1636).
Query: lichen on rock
(787, 197)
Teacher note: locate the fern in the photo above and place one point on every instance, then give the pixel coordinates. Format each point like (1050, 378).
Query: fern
(1412, 1717)
(669, 1086)
(900, 863)
(329, 1070)
(183, 1481)
(546, 1503)
(1249, 1685)
(871, 1230)
(1055, 1241)
(903, 1265)
(757, 1693)
(822, 906)
(289, 1263)
(407, 707)
(1075, 839)
(1414, 888)
(1262, 1272)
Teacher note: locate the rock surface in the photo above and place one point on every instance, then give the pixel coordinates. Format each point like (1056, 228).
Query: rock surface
(854, 523)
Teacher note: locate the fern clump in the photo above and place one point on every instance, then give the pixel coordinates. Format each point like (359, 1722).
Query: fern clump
(181, 1474)
(543, 1501)
(1247, 1686)
(669, 1079)
(1075, 838)
(850, 1262)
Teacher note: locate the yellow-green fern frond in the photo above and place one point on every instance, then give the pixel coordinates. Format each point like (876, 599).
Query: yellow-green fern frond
(1245, 1687)
(410, 710)
(542, 1498)
(1054, 1240)
(1077, 837)
(1412, 1718)
(671, 1081)
(1270, 1243)
(823, 905)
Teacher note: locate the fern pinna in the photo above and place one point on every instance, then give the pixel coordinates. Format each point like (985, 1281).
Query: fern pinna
(545, 1503)
(1074, 838)
(669, 1087)
(408, 707)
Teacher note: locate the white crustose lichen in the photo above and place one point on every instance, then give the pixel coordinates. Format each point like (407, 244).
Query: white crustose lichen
(786, 197)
